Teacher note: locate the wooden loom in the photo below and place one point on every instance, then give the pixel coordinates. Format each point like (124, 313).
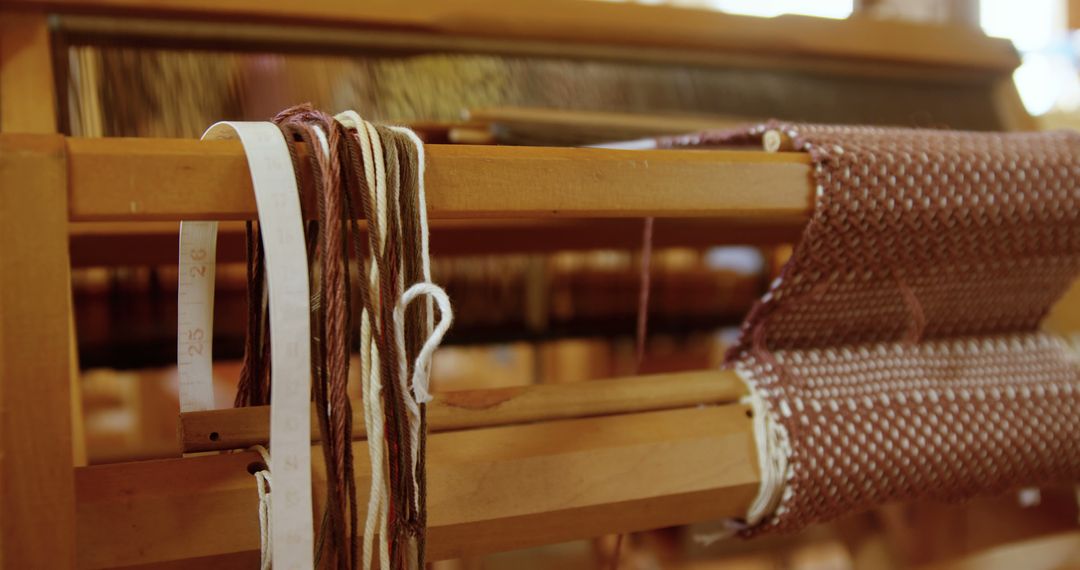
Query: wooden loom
(508, 468)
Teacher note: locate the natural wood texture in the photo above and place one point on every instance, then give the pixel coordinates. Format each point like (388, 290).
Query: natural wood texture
(103, 244)
(603, 22)
(629, 122)
(168, 179)
(489, 489)
(570, 127)
(28, 105)
(237, 428)
(27, 87)
(291, 37)
(37, 514)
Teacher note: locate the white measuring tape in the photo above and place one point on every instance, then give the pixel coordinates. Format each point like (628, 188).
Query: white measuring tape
(282, 229)
(195, 318)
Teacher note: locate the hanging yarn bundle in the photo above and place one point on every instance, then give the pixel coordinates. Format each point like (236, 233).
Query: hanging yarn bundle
(361, 172)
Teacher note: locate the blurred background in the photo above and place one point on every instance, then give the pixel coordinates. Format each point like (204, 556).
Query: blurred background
(545, 302)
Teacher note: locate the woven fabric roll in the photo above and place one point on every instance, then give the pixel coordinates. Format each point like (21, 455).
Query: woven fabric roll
(898, 356)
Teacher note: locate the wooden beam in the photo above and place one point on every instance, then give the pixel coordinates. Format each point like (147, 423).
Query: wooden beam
(290, 37)
(28, 104)
(124, 179)
(37, 493)
(238, 428)
(601, 23)
(489, 489)
(27, 85)
(562, 127)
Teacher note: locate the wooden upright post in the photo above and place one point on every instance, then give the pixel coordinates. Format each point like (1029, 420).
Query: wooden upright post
(37, 492)
(27, 85)
(28, 104)
(37, 489)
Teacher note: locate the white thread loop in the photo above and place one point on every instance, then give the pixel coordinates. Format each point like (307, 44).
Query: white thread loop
(773, 450)
(421, 377)
(379, 196)
(263, 481)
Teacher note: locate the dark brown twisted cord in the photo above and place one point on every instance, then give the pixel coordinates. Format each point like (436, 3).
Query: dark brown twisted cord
(415, 317)
(335, 347)
(382, 306)
(339, 184)
(335, 276)
(252, 360)
(397, 428)
(372, 301)
(333, 517)
(351, 186)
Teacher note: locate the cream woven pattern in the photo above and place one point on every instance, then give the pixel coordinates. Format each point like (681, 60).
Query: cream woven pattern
(899, 350)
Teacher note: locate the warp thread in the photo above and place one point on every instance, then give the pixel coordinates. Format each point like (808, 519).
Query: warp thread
(362, 172)
(641, 332)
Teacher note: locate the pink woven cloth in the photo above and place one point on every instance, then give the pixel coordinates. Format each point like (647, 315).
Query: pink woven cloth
(899, 353)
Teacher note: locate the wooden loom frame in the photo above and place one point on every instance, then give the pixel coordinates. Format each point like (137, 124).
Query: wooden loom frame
(564, 465)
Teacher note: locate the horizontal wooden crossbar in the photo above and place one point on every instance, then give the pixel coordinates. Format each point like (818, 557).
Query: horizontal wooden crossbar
(600, 23)
(237, 428)
(123, 179)
(97, 244)
(489, 489)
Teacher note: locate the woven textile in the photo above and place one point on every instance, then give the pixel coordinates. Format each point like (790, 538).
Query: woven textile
(898, 355)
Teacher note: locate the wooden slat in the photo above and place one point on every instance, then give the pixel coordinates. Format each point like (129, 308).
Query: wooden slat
(602, 23)
(289, 36)
(169, 179)
(236, 428)
(489, 489)
(37, 515)
(562, 127)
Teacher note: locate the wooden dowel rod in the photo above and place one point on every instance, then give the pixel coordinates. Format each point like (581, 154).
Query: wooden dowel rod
(238, 428)
(489, 489)
(124, 179)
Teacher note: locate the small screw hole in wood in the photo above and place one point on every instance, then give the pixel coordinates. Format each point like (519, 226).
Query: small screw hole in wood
(214, 436)
(750, 413)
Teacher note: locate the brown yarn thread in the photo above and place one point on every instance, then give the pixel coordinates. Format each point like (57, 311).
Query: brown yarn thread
(640, 333)
(331, 531)
(416, 322)
(250, 371)
(334, 348)
(342, 199)
(397, 417)
(293, 134)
